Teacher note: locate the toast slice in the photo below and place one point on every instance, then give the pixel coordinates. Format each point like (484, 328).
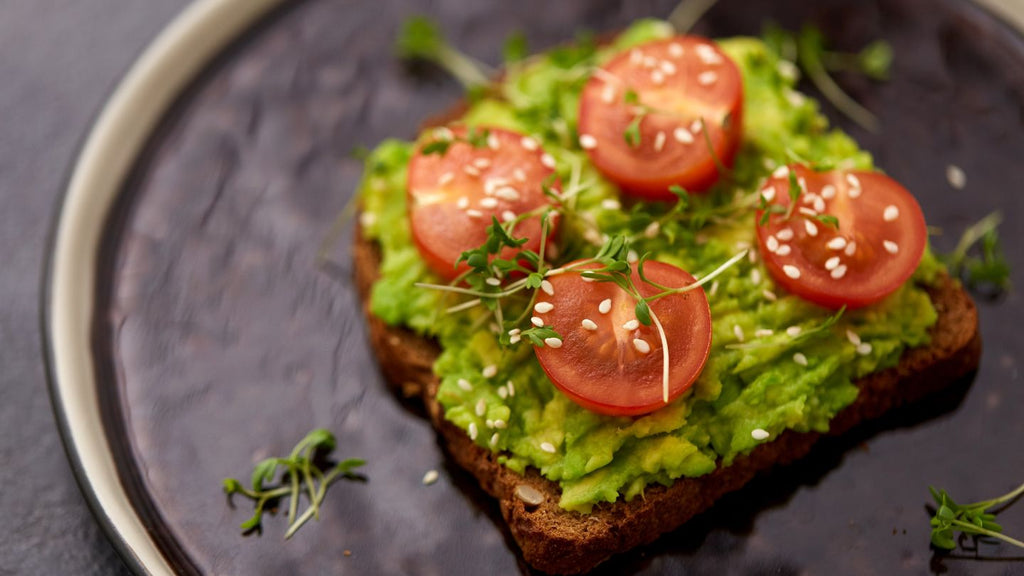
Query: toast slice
(558, 541)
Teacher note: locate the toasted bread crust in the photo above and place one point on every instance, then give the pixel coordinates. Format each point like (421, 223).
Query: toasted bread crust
(562, 542)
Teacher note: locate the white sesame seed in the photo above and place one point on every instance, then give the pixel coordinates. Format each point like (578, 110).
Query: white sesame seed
(772, 244)
(588, 142)
(493, 282)
(473, 213)
(472, 431)
(588, 324)
(828, 191)
(547, 160)
(515, 339)
(853, 180)
(763, 333)
(518, 174)
(471, 170)
(430, 477)
(800, 359)
(707, 54)
(787, 69)
(781, 172)
(489, 203)
(605, 306)
(652, 229)
(768, 194)
(819, 203)
(514, 331)
(793, 331)
(837, 243)
(641, 346)
(737, 331)
(682, 135)
(831, 263)
(759, 434)
(794, 98)
(784, 250)
(492, 141)
(547, 447)
(851, 249)
(658, 77)
(755, 276)
(489, 423)
(714, 288)
(864, 348)
(502, 392)
(464, 384)
(543, 307)
(443, 133)
(811, 228)
(891, 213)
(675, 50)
(367, 219)
(610, 204)
(853, 337)
(631, 325)
(608, 94)
(500, 424)
(547, 287)
(650, 62)
(707, 78)
(956, 177)
(839, 272)
(507, 193)
(668, 67)
(482, 163)
(890, 246)
(553, 342)
(854, 192)
(494, 439)
(481, 407)
(635, 56)
(769, 295)
(791, 271)
(489, 371)
(632, 257)
(536, 321)
(462, 203)
(508, 216)
(529, 143)
(659, 141)
(445, 178)
(696, 126)
(511, 388)
(786, 234)
(807, 211)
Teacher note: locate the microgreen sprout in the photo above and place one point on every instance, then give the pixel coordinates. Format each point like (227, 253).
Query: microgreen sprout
(420, 38)
(301, 475)
(973, 519)
(991, 267)
(804, 334)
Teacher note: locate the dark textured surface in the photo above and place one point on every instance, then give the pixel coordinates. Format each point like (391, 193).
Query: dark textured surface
(230, 344)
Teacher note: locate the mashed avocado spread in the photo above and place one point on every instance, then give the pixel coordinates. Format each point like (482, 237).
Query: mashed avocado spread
(768, 379)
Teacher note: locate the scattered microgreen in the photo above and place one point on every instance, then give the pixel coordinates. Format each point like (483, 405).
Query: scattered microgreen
(632, 132)
(794, 193)
(784, 339)
(828, 220)
(515, 48)
(442, 142)
(537, 335)
(301, 474)
(990, 268)
(874, 61)
(968, 519)
(420, 38)
(723, 171)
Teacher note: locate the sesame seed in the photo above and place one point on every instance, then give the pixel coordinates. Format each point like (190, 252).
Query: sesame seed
(547, 160)
(472, 213)
(547, 447)
(481, 407)
(853, 180)
(763, 333)
(707, 78)
(791, 271)
(464, 384)
(502, 392)
(608, 94)
(819, 203)
(489, 423)
(632, 257)
(714, 288)
(787, 70)
(489, 203)
(508, 216)
(675, 50)
(518, 174)
(472, 431)
(492, 141)
(683, 135)
(831, 263)
(500, 424)
(494, 439)
(755, 276)
(610, 204)
(737, 331)
(784, 250)
(707, 54)
(493, 282)
(807, 212)
(462, 203)
(802, 182)
(854, 192)
(837, 243)
(891, 213)
(529, 143)
(471, 170)
(515, 339)
(514, 331)
(650, 62)
(956, 177)
(812, 229)
(839, 272)
(864, 348)
(489, 371)
(853, 337)
(772, 244)
(769, 295)
(588, 142)
(659, 141)
(445, 178)
(553, 342)
(636, 56)
(367, 219)
(605, 306)
(588, 324)
(547, 287)
(641, 345)
(443, 133)
(511, 388)
(828, 191)
(696, 126)
(658, 77)
(536, 321)
(768, 194)
(800, 359)
(793, 331)
(851, 249)
(507, 193)
(668, 67)
(786, 234)
(890, 246)
(759, 434)
(781, 172)
(652, 229)
(482, 163)
(543, 307)
(794, 98)
(430, 477)
(631, 325)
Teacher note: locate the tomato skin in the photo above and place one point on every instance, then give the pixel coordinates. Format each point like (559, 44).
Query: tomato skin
(602, 369)
(877, 216)
(451, 203)
(677, 101)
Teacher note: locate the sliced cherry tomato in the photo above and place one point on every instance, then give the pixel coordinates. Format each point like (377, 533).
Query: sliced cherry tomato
(454, 191)
(610, 363)
(644, 114)
(879, 242)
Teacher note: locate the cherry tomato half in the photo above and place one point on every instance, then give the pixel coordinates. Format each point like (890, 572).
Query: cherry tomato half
(453, 193)
(647, 115)
(879, 242)
(610, 363)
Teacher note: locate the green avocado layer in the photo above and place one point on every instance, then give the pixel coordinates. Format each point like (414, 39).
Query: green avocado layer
(750, 382)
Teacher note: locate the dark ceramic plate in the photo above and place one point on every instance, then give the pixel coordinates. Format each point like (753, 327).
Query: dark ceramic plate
(200, 336)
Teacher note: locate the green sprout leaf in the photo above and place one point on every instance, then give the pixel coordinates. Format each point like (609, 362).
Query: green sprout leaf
(516, 48)
(968, 519)
(420, 38)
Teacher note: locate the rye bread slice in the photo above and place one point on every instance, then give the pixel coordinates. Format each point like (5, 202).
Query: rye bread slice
(557, 541)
